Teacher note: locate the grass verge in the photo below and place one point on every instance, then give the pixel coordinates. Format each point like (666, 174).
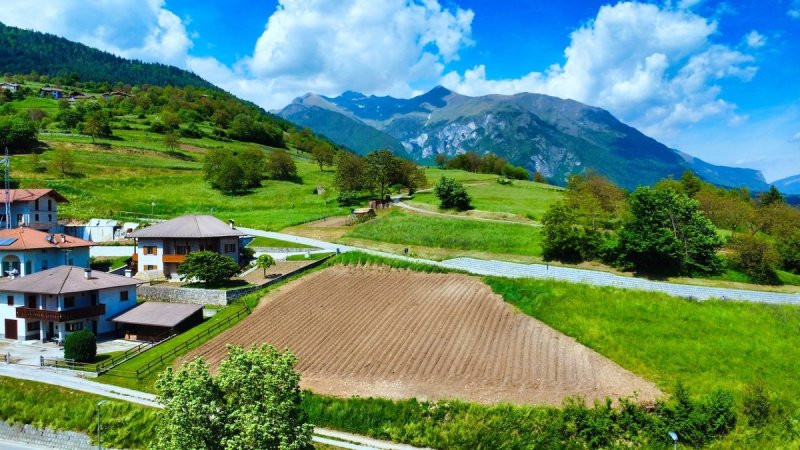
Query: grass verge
(261, 241)
(125, 425)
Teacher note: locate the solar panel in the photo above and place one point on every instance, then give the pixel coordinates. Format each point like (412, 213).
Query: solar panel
(7, 241)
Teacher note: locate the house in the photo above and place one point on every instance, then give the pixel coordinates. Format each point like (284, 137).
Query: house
(24, 251)
(51, 92)
(160, 248)
(56, 302)
(13, 87)
(153, 321)
(109, 95)
(34, 208)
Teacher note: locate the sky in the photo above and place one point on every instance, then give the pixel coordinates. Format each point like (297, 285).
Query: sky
(718, 79)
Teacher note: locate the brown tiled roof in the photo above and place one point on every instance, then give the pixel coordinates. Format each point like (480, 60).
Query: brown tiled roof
(187, 227)
(31, 239)
(158, 314)
(66, 280)
(29, 195)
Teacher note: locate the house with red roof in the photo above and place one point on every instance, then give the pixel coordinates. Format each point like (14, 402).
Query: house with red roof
(34, 208)
(24, 251)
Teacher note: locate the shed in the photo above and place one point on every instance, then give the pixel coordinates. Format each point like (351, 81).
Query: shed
(151, 321)
(101, 230)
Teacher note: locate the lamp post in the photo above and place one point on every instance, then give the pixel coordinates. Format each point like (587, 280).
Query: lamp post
(674, 437)
(99, 404)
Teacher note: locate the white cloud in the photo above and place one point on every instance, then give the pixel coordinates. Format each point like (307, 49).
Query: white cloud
(656, 68)
(795, 138)
(376, 46)
(141, 29)
(794, 10)
(754, 39)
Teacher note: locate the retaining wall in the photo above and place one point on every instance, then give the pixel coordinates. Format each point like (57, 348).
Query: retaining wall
(44, 437)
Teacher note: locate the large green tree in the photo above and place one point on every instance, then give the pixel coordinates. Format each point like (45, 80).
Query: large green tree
(563, 238)
(281, 166)
(451, 194)
(666, 233)
(253, 402)
(382, 170)
(209, 267)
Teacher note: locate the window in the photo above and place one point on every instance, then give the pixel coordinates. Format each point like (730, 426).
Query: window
(49, 217)
(10, 300)
(69, 302)
(44, 264)
(150, 267)
(181, 249)
(32, 326)
(230, 248)
(49, 204)
(28, 267)
(74, 326)
(150, 250)
(31, 301)
(19, 218)
(36, 204)
(123, 295)
(36, 218)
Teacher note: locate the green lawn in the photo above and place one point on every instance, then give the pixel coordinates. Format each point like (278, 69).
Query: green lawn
(261, 241)
(460, 234)
(311, 257)
(523, 198)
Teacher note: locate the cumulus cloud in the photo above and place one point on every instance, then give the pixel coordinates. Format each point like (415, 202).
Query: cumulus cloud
(754, 39)
(141, 29)
(794, 10)
(325, 46)
(654, 67)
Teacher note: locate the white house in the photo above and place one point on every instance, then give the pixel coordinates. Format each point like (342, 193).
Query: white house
(34, 208)
(160, 248)
(24, 251)
(54, 303)
(13, 87)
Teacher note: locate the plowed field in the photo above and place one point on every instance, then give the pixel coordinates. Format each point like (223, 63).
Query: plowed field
(399, 334)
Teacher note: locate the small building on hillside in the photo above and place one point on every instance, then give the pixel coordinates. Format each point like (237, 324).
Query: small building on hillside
(24, 251)
(33, 208)
(51, 92)
(160, 248)
(154, 321)
(56, 302)
(12, 87)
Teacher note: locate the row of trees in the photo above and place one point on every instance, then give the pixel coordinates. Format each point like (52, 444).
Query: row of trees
(488, 163)
(671, 228)
(375, 173)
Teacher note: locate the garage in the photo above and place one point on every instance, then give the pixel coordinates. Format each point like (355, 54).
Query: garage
(154, 321)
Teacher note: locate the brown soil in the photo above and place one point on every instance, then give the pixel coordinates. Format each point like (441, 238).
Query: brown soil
(398, 334)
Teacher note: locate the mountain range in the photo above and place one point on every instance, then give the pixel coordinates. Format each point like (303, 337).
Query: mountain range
(553, 136)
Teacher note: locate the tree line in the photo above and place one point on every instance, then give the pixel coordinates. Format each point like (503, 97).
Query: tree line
(673, 228)
(488, 163)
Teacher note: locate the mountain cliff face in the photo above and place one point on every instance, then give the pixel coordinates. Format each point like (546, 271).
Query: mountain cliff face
(789, 185)
(541, 133)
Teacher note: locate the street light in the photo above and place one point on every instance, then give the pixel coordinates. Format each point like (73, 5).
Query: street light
(99, 404)
(674, 437)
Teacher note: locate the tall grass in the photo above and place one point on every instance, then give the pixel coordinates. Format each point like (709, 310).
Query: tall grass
(363, 259)
(459, 234)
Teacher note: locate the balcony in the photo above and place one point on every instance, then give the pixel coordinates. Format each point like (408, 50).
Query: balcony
(61, 316)
(173, 258)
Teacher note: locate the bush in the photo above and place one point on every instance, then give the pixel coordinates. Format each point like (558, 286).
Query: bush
(452, 194)
(756, 404)
(755, 257)
(81, 346)
(347, 198)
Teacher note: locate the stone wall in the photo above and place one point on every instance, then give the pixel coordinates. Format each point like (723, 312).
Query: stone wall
(44, 437)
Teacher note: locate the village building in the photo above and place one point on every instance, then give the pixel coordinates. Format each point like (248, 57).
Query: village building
(12, 87)
(154, 321)
(24, 251)
(33, 208)
(50, 305)
(160, 248)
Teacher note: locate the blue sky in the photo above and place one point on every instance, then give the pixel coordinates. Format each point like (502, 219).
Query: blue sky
(717, 79)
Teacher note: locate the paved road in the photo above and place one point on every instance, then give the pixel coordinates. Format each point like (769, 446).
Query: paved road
(569, 274)
(11, 445)
(68, 380)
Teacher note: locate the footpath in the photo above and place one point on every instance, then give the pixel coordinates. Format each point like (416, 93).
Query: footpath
(569, 274)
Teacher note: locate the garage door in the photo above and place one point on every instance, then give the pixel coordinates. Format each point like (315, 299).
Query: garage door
(11, 329)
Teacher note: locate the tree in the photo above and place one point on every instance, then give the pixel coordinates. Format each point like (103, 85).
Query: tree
(281, 166)
(81, 346)
(349, 172)
(253, 165)
(209, 267)
(691, 183)
(412, 176)
(264, 262)
(441, 160)
(538, 177)
(171, 140)
(562, 236)
(667, 234)
(755, 257)
(451, 194)
(97, 124)
(254, 402)
(17, 132)
(382, 170)
(230, 178)
(771, 197)
(63, 162)
(323, 154)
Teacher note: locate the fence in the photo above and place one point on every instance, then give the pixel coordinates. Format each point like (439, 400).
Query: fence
(187, 345)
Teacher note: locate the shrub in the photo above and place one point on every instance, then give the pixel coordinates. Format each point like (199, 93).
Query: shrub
(755, 257)
(452, 194)
(81, 346)
(211, 267)
(756, 404)
(347, 198)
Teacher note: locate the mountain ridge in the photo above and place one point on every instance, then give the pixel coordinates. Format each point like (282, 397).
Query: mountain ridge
(554, 136)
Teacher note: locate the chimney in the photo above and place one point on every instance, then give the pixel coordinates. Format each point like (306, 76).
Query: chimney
(128, 273)
(87, 273)
(230, 223)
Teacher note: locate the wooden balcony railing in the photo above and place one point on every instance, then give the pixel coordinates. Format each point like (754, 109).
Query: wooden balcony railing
(173, 258)
(61, 316)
